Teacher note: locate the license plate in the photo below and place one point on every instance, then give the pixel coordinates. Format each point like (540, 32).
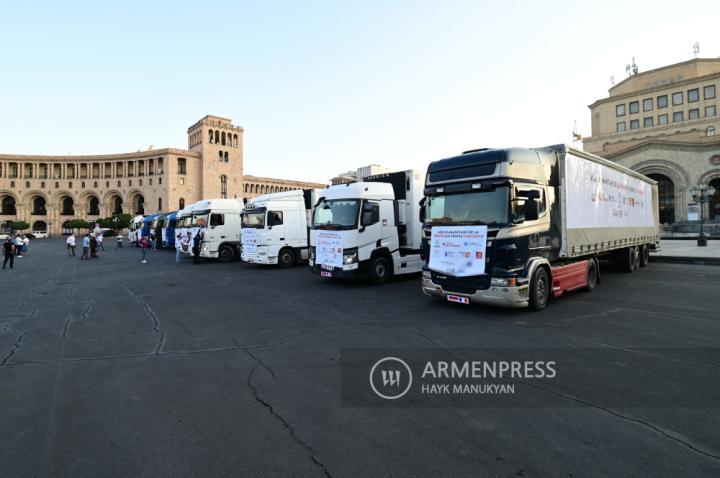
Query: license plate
(457, 298)
(327, 267)
(326, 274)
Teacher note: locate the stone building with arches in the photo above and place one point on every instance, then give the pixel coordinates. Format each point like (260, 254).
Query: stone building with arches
(664, 123)
(46, 191)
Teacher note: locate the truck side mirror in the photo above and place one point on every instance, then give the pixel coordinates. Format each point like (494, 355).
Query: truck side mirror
(421, 213)
(531, 211)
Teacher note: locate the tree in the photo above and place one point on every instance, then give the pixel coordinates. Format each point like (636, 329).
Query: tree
(76, 224)
(20, 225)
(109, 222)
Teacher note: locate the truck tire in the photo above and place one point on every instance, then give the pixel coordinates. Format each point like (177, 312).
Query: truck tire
(226, 253)
(539, 289)
(644, 255)
(628, 258)
(592, 275)
(286, 258)
(379, 270)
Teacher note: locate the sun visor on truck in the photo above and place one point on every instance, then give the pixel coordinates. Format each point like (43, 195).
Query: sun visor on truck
(466, 166)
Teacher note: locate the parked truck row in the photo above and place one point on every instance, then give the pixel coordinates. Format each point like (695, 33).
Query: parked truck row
(509, 227)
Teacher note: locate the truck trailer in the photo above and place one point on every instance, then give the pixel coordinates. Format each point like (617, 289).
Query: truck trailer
(516, 226)
(276, 227)
(368, 229)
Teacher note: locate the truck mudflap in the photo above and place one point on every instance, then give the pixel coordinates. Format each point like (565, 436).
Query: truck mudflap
(494, 295)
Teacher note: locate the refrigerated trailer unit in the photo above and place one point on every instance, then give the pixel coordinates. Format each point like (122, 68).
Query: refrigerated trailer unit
(368, 229)
(516, 226)
(276, 227)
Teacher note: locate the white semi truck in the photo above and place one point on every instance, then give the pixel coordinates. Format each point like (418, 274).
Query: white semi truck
(517, 226)
(368, 229)
(275, 227)
(218, 220)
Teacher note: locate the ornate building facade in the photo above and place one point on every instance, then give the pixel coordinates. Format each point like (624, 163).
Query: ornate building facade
(46, 191)
(664, 123)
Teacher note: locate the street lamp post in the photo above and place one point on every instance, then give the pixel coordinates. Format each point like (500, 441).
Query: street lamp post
(49, 229)
(701, 194)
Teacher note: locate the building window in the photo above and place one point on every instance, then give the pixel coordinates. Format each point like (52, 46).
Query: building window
(220, 155)
(709, 92)
(150, 181)
(57, 185)
(141, 182)
(634, 124)
(119, 184)
(648, 122)
(181, 165)
(181, 203)
(107, 184)
(710, 111)
(678, 117)
(619, 110)
(647, 104)
(69, 185)
(663, 119)
(159, 180)
(662, 101)
(129, 182)
(82, 184)
(620, 127)
(223, 186)
(693, 95)
(677, 98)
(694, 114)
(95, 184)
(159, 204)
(227, 159)
(634, 107)
(27, 184)
(710, 131)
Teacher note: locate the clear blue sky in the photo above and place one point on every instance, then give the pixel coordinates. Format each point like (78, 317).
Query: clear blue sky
(326, 86)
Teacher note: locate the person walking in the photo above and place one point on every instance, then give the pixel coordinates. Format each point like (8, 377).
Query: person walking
(18, 245)
(178, 248)
(197, 240)
(100, 242)
(118, 244)
(26, 245)
(86, 247)
(71, 244)
(93, 246)
(9, 253)
(144, 246)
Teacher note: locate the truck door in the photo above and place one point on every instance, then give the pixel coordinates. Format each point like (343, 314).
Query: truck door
(276, 228)
(215, 234)
(370, 230)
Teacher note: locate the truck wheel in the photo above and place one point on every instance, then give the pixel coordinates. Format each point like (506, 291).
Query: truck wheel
(379, 270)
(286, 258)
(644, 255)
(628, 258)
(226, 254)
(592, 275)
(539, 289)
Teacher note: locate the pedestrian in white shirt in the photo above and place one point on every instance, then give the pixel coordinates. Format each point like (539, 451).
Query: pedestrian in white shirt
(71, 245)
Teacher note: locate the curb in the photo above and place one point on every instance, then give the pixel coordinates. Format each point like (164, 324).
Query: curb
(707, 261)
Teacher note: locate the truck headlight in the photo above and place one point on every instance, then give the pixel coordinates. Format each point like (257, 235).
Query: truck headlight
(350, 256)
(503, 282)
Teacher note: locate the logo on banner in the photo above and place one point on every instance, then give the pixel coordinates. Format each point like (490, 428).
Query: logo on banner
(390, 378)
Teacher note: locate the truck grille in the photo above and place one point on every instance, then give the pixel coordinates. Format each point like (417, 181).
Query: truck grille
(462, 285)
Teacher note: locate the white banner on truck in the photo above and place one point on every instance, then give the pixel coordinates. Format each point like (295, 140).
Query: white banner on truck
(458, 250)
(328, 250)
(249, 240)
(599, 196)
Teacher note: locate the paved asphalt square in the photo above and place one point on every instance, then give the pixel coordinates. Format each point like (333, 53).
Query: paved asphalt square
(115, 368)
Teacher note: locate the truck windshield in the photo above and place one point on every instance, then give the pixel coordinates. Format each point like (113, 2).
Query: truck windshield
(254, 219)
(336, 214)
(200, 218)
(482, 207)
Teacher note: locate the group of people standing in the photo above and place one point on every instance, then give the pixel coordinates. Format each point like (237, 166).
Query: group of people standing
(15, 246)
(92, 244)
(188, 243)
